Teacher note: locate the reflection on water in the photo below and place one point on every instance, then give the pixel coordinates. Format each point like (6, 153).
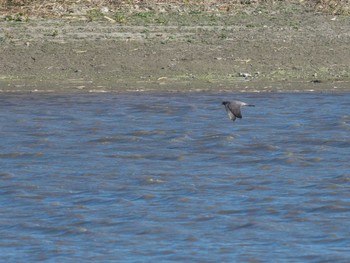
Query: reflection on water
(158, 177)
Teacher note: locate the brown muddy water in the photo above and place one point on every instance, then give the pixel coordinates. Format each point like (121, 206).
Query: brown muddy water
(146, 177)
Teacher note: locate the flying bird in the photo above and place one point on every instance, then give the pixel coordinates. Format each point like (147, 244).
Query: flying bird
(233, 108)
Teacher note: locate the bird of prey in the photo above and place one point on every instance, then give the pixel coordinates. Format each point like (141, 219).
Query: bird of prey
(233, 108)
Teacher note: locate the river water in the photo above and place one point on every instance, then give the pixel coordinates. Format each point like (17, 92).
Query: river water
(137, 177)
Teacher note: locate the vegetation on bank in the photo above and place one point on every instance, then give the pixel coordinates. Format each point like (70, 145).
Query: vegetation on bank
(122, 11)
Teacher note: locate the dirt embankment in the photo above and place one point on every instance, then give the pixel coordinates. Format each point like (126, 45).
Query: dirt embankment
(264, 50)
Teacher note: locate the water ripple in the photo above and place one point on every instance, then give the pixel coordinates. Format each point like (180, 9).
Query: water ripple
(168, 177)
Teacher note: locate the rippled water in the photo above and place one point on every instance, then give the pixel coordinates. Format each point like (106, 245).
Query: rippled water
(168, 177)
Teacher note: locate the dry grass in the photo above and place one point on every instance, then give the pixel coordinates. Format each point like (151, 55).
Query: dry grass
(57, 8)
(333, 6)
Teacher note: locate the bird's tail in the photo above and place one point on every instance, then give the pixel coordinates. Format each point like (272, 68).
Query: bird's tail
(250, 105)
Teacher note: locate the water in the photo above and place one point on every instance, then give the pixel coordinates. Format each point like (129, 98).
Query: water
(168, 177)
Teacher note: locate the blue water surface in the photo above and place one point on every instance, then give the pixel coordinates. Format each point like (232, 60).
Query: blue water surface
(160, 177)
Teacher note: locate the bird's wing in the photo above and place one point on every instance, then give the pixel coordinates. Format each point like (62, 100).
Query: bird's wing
(229, 113)
(235, 109)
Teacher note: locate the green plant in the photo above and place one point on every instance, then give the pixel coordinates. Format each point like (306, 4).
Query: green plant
(54, 33)
(161, 20)
(120, 18)
(94, 14)
(19, 17)
(222, 35)
(144, 14)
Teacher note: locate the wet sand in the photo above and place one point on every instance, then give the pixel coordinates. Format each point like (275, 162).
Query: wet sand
(299, 51)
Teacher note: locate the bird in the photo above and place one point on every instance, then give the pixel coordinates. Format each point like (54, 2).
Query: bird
(233, 108)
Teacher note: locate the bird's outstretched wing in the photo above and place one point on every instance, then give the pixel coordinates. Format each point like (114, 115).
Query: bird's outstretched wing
(231, 115)
(235, 109)
(230, 112)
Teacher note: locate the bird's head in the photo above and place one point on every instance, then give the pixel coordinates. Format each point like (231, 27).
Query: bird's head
(225, 102)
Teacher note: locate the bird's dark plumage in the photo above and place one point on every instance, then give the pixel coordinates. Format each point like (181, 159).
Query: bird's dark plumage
(233, 108)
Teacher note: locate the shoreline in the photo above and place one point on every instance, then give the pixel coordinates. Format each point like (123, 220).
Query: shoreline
(243, 87)
(261, 52)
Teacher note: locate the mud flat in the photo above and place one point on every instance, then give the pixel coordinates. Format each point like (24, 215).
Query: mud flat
(292, 50)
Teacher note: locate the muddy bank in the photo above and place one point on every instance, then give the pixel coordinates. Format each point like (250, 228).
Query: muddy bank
(252, 52)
